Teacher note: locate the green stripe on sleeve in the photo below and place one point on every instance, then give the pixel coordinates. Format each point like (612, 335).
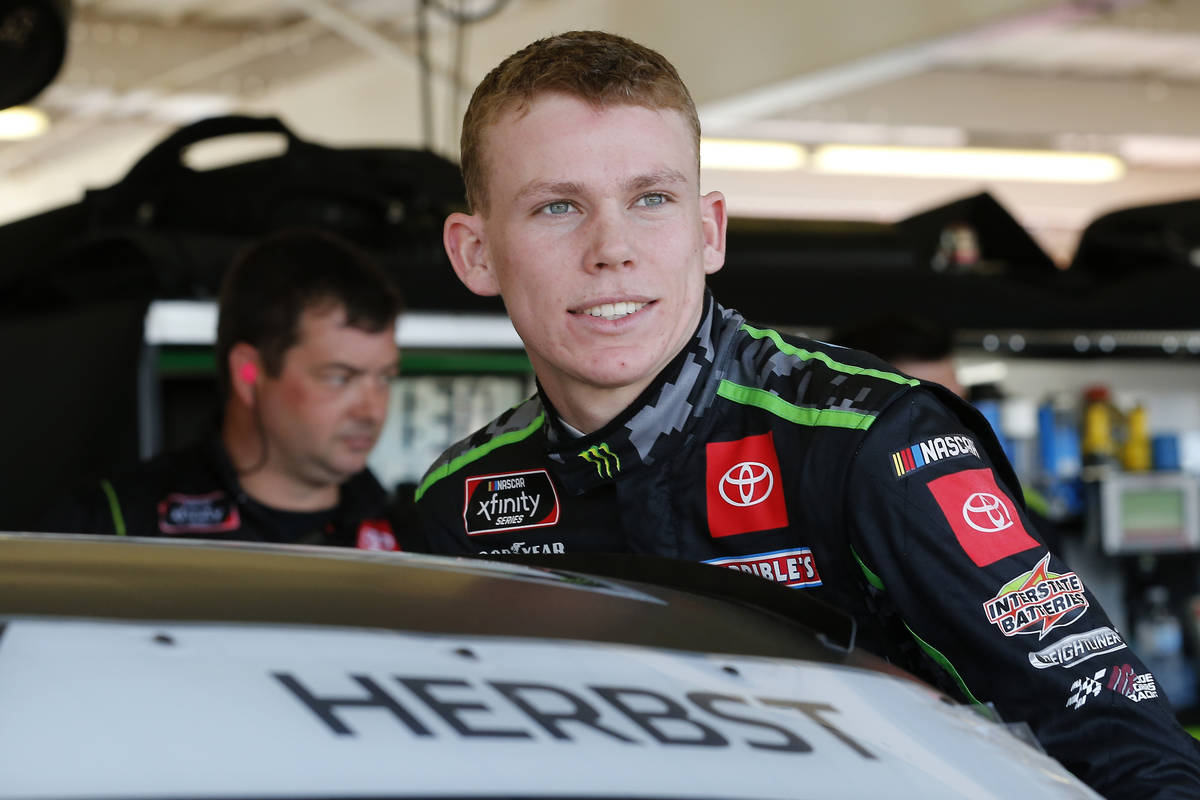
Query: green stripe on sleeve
(945, 664)
(929, 649)
(114, 507)
(872, 578)
(454, 465)
(817, 417)
(808, 355)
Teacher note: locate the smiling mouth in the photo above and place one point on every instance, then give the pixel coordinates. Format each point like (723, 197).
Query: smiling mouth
(612, 311)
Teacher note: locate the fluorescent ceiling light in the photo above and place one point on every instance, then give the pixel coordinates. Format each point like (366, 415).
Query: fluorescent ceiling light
(747, 154)
(22, 122)
(983, 372)
(1047, 166)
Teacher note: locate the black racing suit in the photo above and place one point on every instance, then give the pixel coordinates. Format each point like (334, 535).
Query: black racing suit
(195, 494)
(823, 469)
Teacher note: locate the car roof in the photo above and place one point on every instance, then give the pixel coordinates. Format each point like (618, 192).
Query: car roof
(673, 604)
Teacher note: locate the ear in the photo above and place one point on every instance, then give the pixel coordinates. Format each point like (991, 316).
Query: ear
(245, 370)
(713, 221)
(463, 237)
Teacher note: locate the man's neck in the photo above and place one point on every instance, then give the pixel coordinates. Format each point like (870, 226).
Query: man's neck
(588, 409)
(258, 473)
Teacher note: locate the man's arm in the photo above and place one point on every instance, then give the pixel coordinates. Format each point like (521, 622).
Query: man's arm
(439, 521)
(938, 531)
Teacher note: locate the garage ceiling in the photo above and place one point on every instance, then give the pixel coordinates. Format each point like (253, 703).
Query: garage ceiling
(1117, 76)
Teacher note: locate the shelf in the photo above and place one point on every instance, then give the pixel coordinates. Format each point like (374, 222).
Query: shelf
(194, 322)
(1184, 344)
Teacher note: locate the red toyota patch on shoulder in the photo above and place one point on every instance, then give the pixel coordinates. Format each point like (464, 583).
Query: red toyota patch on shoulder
(983, 518)
(376, 534)
(743, 487)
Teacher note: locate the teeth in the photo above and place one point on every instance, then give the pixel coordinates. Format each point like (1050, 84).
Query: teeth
(612, 311)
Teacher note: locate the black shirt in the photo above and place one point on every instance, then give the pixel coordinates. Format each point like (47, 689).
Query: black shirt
(195, 494)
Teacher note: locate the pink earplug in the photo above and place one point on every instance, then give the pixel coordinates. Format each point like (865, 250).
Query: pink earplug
(248, 373)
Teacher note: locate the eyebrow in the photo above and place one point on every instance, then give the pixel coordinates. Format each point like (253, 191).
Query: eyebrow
(549, 188)
(666, 176)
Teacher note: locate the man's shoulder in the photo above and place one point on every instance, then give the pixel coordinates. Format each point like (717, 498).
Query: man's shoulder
(806, 380)
(515, 427)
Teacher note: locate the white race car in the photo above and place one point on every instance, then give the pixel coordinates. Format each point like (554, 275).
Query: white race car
(162, 669)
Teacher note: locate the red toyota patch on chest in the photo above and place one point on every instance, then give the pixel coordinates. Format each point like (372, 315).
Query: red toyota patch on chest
(376, 534)
(983, 518)
(743, 486)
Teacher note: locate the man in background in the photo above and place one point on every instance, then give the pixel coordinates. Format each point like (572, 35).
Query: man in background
(916, 346)
(306, 351)
(666, 424)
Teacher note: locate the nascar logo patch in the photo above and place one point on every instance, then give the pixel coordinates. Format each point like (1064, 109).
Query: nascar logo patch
(922, 454)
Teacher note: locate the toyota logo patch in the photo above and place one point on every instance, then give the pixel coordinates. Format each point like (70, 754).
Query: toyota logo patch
(747, 484)
(983, 517)
(986, 513)
(743, 486)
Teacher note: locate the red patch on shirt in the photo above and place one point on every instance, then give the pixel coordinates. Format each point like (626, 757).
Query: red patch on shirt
(376, 534)
(743, 486)
(982, 516)
(183, 514)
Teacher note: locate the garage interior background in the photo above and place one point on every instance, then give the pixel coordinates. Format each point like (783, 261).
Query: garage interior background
(361, 88)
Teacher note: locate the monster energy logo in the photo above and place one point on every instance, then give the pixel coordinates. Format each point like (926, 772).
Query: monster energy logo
(602, 459)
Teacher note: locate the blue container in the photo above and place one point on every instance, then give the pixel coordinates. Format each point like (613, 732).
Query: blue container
(1164, 451)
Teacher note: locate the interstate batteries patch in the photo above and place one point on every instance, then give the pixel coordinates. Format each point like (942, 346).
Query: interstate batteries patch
(509, 501)
(1037, 602)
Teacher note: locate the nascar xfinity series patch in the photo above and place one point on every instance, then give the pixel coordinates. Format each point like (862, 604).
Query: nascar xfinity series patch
(182, 514)
(509, 501)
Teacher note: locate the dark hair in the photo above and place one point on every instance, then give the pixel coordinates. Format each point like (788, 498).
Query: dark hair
(600, 68)
(272, 282)
(898, 337)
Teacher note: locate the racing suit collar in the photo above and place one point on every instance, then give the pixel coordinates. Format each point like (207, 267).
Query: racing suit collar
(655, 425)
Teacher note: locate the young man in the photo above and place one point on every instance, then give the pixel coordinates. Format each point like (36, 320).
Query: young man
(305, 352)
(666, 424)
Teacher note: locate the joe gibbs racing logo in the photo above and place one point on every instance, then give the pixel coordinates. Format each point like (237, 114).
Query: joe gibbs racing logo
(1037, 602)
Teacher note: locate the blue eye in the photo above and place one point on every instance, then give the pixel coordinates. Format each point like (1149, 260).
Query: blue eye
(652, 199)
(558, 207)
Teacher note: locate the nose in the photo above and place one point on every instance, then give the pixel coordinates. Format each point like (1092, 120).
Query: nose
(372, 402)
(609, 243)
